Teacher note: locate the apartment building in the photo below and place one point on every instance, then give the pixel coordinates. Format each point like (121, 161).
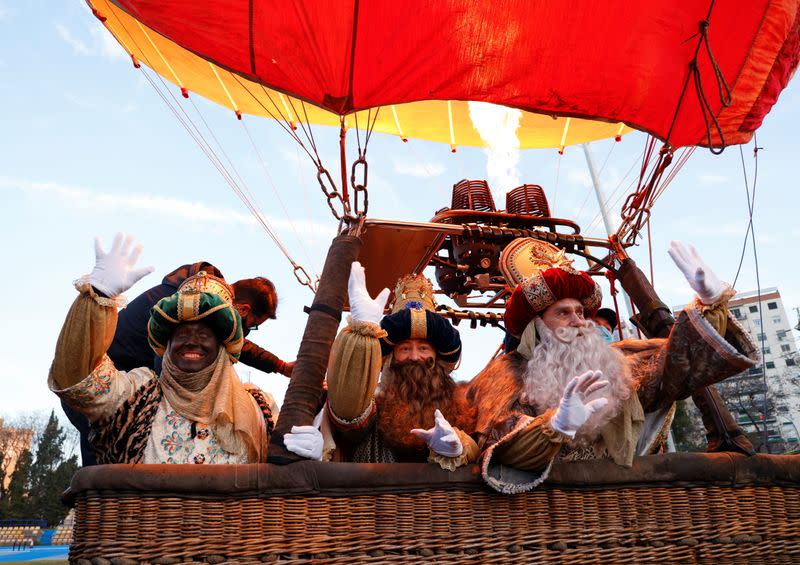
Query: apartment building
(768, 395)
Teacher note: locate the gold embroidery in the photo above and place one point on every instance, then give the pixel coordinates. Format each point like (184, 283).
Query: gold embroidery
(188, 306)
(419, 324)
(537, 292)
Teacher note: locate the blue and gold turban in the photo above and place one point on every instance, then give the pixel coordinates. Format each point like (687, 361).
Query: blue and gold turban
(201, 298)
(413, 317)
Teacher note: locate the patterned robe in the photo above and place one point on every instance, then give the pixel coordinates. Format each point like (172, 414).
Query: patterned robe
(132, 420)
(518, 444)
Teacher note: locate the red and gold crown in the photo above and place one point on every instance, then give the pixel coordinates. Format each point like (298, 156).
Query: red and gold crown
(541, 275)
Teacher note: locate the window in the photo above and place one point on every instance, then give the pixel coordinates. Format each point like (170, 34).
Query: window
(754, 309)
(770, 364)
(790, 362)
(786, 347)
(767, 351)
(772, 305)
(776, 320)
(781, 335)
(762, 337)
(736, 313)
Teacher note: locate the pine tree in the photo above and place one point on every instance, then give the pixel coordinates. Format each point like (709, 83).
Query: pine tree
(50, 474)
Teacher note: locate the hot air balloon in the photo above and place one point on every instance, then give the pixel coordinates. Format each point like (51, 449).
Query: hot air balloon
(690, 74)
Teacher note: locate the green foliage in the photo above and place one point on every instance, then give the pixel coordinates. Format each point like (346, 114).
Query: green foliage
(15, 504)
(37, 483)
(684, 430)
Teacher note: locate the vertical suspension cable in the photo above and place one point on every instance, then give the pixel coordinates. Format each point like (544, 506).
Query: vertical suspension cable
(397, 123)
(555, 192)
(452, 129)
(564, 136)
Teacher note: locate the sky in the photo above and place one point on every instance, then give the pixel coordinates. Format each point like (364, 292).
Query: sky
(87, 147)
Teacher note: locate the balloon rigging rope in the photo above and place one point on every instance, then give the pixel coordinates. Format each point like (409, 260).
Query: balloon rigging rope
(751, 201)
(598, 217)
(206, 148)
(608, 156)
(558, 178)
(751, 231)
(277, 196)
(650, 251)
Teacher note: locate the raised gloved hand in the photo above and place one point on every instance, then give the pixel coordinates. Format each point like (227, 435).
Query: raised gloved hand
(703, 281)
(573, 411)
(306, 441)
(114, 272)
(441, 438)
(363, 308)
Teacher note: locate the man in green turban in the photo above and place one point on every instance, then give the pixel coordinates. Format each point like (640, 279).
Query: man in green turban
(197, 410)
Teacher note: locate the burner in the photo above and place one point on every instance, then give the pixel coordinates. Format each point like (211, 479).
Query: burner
(472, 195)
(526, 200)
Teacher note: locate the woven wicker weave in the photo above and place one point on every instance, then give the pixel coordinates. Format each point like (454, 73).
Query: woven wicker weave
(687, 509)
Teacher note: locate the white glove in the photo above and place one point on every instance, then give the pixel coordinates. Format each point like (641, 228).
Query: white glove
(703, 281)
(441, 438)
(573, 411)
(306, 441)
(362, 307)
(114, 271)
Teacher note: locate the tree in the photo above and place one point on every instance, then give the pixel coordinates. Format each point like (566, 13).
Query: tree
(14, 438)
(36, 483)
(50, 473)
(16, 503)
(687, 435)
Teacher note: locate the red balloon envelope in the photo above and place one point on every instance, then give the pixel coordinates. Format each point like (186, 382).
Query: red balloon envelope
(616, 61)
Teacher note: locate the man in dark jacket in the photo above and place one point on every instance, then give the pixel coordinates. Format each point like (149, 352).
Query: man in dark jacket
(255, 299)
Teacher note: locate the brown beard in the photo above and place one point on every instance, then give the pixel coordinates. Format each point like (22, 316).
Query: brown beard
(410, 392)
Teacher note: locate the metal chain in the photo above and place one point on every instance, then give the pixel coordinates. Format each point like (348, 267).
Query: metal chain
(333, 194)
(636, 210)
(306, 279)
(360, 188)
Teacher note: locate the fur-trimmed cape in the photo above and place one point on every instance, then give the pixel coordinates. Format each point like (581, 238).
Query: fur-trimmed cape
(695, 355)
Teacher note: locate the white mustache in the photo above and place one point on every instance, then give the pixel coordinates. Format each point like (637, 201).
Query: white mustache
(568, 334)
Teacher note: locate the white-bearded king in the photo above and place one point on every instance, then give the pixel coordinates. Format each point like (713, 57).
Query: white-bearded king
(566, 394)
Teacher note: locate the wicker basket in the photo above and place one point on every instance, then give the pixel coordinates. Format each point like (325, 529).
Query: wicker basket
(683, 508)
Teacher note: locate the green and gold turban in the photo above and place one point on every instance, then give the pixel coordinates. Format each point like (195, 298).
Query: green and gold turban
(201, 298)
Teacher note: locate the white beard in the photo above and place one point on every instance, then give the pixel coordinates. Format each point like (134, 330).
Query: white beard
(561, 355)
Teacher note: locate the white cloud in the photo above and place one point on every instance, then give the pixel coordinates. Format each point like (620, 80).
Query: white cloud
(100, 105)
(712, 179)
(107, 45)
(195, 211)
(78, 46)
(580, 177)
(102, 43)
(418, 169)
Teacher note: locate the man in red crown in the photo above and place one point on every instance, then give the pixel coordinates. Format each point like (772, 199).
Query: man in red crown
(566, 394)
